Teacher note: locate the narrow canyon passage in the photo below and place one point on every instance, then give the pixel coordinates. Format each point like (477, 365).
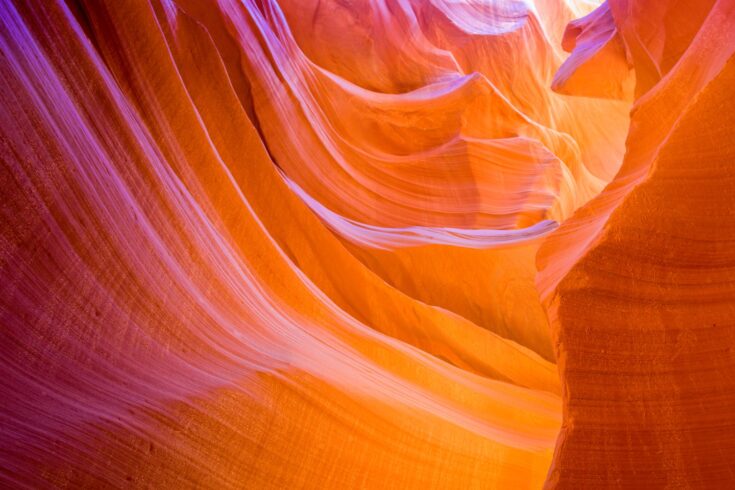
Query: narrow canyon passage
(367, 244)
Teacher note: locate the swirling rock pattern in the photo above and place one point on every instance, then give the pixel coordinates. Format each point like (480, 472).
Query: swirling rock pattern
(366, 244)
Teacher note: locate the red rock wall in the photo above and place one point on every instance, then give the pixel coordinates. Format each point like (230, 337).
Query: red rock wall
(642, 318)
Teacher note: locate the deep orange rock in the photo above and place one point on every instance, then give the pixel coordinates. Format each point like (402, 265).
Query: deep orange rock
(640, 304)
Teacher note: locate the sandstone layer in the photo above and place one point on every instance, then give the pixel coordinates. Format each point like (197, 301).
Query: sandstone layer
(366, 244)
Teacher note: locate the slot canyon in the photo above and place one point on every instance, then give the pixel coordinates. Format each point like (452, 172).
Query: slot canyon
(406, 244)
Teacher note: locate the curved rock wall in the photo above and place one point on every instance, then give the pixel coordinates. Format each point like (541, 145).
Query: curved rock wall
(365, 243)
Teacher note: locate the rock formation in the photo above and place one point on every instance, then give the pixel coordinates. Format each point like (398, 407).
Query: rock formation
(367, 244)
